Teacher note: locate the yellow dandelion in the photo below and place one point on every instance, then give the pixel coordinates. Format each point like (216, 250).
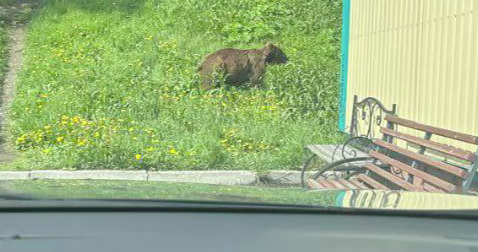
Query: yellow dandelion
(263, 146)
(84, 122)
(81, 142)
(60, 139)
(75, 119)
(97, 134)
(172, 151)
(137, 156)
(21, 139)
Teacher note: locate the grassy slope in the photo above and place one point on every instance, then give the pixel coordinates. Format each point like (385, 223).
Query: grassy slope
(112, 84)
(3, 46)
(164, 190)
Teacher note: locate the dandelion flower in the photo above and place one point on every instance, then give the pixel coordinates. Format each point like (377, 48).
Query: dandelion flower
(21, 139)
(172, 151)
(81, 142)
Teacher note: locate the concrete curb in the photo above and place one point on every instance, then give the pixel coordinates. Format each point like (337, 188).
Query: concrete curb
(207, 177)
(217, 177)
(108, 175)
(236, 177)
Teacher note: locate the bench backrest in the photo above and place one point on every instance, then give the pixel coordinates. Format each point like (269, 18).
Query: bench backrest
(367, 116)
(416, 169)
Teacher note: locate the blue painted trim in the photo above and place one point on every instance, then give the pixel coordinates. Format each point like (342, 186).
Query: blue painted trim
(339, 200)
(344, 62)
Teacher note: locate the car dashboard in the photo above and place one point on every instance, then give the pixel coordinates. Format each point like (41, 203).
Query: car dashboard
(232, 229)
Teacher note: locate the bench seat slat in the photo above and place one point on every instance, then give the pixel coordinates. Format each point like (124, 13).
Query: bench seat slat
(434, 130)
(326, 153)
(326, 184)
(358, 184)
(446, 149)
(431, 188)
(372, 182)
(392, 178)
(424, 159)
(337, 184)
(347, 184)
(447, 186)
(314, 184)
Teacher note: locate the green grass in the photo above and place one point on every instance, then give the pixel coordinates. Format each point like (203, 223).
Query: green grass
(111, 84)
(3, 47)
(165, 190)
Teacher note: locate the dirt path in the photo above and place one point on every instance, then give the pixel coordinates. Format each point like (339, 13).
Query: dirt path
(16, 36)
(14, 15)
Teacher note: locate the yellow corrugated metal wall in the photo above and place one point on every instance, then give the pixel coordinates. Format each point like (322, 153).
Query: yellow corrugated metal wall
(421, 55)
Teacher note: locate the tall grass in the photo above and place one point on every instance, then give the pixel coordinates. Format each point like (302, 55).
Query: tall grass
(112, 84)
(3, 47)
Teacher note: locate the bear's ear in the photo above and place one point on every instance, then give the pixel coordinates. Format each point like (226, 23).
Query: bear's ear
(268, 48)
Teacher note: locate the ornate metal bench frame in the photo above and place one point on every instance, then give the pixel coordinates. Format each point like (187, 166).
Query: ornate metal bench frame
(369, 110)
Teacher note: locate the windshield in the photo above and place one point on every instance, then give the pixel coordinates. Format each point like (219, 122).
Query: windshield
(322, 102)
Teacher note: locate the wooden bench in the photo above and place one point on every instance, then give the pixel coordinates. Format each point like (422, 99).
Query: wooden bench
(432, 167)
(352, 154)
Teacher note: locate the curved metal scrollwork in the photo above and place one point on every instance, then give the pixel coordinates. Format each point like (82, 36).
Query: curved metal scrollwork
(326, 168)
(365, 144)
(359, 142)
(397, 171)
(369, 110)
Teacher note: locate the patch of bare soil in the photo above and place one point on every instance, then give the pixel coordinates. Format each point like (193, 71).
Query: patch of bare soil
(15, 13)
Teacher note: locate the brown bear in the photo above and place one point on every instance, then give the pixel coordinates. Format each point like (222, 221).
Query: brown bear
(239, 66)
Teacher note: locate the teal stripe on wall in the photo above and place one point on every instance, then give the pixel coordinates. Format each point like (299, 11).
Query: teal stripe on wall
(344, 63)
